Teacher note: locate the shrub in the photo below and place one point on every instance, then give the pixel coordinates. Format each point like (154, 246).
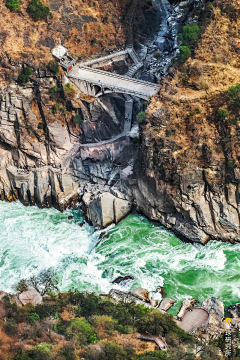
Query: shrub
(184, 53)
(27, 70)
(41, 352)
(197, 111)
(80, 330)
(168, 132)
(190, 34)
(56, 108)
(105, 324)
(93, 41)
(53, 66)
(233, 121)
(157, 323)
(21, 286)
(141, 116)
(54, 92)
(23, 79)
(234, 95)
(12, 5)
(152, 355)
(37, 10)
(10, 327)
(68, 351)
(114, 351)
(222, 115)
(41, 126)
(69, 88)
(45, 310)
(33, 317)
(77, 119)
(231, 163)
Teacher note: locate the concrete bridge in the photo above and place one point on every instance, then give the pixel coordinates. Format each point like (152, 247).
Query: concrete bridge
(97, 82)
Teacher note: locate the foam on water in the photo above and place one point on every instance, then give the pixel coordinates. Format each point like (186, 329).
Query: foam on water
(32, 239)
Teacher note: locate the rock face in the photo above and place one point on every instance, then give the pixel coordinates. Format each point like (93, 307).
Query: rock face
(141, 293)
(106, 209)
(166, 304)
(187, 304)
(30, 296)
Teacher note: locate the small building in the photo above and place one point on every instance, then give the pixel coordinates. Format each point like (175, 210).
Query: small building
(60, 53)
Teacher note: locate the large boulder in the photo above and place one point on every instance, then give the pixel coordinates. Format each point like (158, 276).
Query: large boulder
(214, 305)
(141, 293)
(106, 209)
(31, 296)
(186, 305)
(166, 304)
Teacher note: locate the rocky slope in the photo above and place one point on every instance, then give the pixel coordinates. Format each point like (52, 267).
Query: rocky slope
(191, 159)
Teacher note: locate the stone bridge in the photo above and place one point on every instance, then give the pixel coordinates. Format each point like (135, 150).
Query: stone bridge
(97, 82)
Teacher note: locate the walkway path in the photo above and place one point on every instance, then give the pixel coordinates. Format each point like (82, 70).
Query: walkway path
(75, 149)
(193, 319)
(157, 339)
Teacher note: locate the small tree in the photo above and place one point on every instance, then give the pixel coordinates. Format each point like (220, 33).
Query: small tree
(222, 115)
(54, 92)
(77, 119)
(45, 282)
(190, 34)
(56, 108)
(53, 66)
(93, 41)
(37, 10)
(184, 53)
(23, 79)
(141, 116)
(22, 286)
(27, 71)
(234, 95)
(12, 5)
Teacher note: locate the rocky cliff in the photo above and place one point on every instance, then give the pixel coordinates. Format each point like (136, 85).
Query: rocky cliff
(190, 154)
(184, 170)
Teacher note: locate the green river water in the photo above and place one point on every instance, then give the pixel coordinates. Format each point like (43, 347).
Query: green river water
(32, 239)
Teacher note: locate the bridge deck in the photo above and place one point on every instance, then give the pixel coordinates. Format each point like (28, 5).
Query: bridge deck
(114, 82)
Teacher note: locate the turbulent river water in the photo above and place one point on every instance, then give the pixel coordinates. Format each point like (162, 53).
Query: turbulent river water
(32, 239)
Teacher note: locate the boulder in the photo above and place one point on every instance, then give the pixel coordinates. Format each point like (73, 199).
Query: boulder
(186, 305)
(31, 296)
(166, 304)
(121, 279)
(106, 209)
(117, 295)
(153, 302)
(214, 305)
(141, 293)
(234, 310)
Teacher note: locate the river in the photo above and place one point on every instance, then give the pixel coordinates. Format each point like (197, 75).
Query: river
(33, 239)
